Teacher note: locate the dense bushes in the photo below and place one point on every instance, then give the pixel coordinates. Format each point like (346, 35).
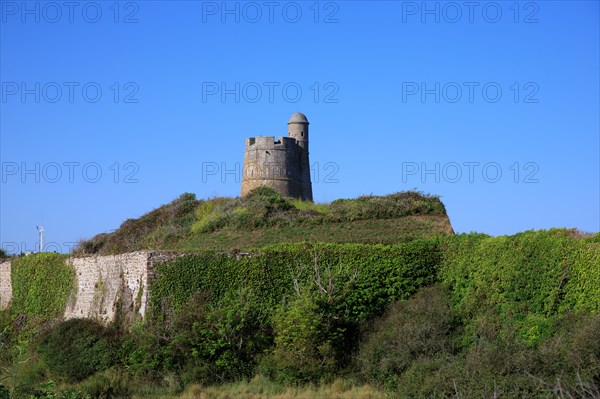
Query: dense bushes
(411, 330)
(385, 207)
(262, 207)
(307, 300)
(215, 342)
(527, 280)
(463, 316)
(77, 348)
(413, 352)
(310, 340)
(502, 296)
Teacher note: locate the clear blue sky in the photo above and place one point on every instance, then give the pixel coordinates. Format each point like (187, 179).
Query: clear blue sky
(109, 111)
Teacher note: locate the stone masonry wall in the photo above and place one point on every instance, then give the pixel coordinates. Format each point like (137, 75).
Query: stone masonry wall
(103, 281)
(107, 286)
(5, 284)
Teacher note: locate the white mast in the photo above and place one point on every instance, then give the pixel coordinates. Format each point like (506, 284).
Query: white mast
(41, 231)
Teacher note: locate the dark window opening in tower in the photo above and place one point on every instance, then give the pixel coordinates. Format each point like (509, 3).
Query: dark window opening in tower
(302, 134)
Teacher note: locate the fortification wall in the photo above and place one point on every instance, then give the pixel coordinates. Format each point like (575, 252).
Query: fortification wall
(280, 164)
(272, 163)
(5, 284)
(107, 286)
(106, 282)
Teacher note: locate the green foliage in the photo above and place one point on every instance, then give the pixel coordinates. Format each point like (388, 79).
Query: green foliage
(217, 342)
(48, 391)
(413, 329)
(582, 268)
(462, 316)
(208, 216)
(368, 231)
(4, 392)
(7, 337)
(42, 283)
(264, 207)
(593, 238)
(77, 348)
(348, 284)
(143, 352)
(411, 351)
(3, 254)
(386, 207)
(304, 343)
(309, 206)
(266, 193)
(527, 279)
(225, 223)
(367, 276)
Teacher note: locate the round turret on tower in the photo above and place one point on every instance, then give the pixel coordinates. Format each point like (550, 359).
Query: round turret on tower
(298, 129)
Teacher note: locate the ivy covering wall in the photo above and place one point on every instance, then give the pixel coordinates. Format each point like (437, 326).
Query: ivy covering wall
(42, 284)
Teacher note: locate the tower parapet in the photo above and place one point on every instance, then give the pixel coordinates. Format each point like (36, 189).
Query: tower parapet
(280, 164)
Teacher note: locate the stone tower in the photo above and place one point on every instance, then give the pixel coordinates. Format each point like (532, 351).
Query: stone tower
(280, 164)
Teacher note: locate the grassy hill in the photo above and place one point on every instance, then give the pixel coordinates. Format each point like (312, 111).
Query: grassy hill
(264, 217)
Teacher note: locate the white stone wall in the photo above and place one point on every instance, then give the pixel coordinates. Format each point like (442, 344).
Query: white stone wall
(104, 285)
(102, 281)
(5, 284)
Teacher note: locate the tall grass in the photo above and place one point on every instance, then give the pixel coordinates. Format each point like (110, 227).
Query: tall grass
(262, 388)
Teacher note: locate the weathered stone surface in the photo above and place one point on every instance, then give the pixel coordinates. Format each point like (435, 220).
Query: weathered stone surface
(5, 284)
(103, 280)
(281, 164)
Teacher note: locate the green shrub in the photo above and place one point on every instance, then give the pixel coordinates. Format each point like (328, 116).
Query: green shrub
(385, 207)
(594, 238)
(580, 289)
(309, 206)
(217, 342)
(77, 348)
(304, 343)
(409, 330)
(48, 390)
(437, 376)
(143, 351)
(4, 392)
(581, 337)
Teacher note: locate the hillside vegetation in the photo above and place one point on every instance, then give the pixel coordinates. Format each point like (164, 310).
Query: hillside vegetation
(264, 217)
(366, 298)
(446, 316)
